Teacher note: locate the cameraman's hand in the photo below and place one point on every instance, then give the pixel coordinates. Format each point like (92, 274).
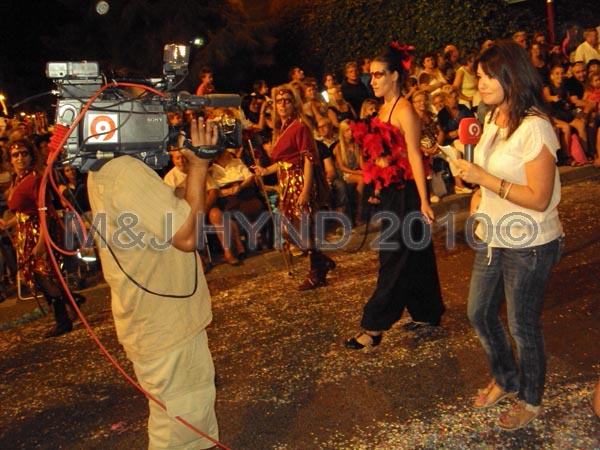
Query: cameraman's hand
(203, 132)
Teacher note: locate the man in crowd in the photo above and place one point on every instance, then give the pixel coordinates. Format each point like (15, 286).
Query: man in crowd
(353, 90)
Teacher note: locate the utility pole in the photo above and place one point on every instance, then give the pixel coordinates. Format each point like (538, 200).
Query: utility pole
(550, 14)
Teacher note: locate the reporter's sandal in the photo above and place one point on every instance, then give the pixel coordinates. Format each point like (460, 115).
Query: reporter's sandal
(519, 416)
(491, 395)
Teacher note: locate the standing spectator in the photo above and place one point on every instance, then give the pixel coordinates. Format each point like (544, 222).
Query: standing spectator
(325, 144)
(520, 38)
(159, 296)
(452, 62)
(206, 85)
(365, 76)
(407, 277)
(539, 61)
(465, 82)
(296, 162)
(515, 165)
(296, 74)
(355, 92)
(588, 49)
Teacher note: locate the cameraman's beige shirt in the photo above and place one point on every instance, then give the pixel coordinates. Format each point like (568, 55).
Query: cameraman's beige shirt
(137, 214)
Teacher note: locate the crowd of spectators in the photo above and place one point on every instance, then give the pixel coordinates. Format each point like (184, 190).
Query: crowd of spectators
(443, 89)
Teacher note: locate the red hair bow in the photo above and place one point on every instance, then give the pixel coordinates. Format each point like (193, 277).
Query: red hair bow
(405, 52)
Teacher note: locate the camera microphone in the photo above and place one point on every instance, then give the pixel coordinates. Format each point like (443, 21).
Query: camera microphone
(469, 132)
(211, 100)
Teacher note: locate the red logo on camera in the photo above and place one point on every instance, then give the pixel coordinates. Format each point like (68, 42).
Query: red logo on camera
(103, 128)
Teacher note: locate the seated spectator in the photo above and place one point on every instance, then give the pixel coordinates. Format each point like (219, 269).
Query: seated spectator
(206, 85)
(588, 49)
(177, 176)
(338, 109)
(563, 114)
(575, 86)
(237, 187)
(450, 116)
(313, 107)
(432, 136)
(438, 101)
(431, 78)
(349, 162)
(329, 81)
(236, 193)
(369, 108)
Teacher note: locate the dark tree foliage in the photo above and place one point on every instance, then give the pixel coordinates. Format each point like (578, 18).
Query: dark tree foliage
(322, 35)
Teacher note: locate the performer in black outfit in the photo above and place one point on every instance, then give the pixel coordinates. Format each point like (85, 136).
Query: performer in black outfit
(407, 274)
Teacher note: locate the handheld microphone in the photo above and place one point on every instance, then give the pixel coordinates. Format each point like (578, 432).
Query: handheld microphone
(469, 132)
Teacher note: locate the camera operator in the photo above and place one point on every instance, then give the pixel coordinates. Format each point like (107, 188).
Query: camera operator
(160, 299)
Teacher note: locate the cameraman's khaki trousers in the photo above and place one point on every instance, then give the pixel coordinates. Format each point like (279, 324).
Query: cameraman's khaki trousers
(183, 380)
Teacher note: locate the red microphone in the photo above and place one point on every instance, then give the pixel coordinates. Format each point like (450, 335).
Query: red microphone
(469, 132)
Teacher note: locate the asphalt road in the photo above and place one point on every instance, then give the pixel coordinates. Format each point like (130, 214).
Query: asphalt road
(284, 379)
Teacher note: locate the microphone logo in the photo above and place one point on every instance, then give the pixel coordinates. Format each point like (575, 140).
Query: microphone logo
(469, 131)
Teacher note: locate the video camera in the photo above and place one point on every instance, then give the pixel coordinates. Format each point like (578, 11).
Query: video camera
(121, 121)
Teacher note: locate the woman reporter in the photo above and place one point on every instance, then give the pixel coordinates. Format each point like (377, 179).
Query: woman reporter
(519, 229)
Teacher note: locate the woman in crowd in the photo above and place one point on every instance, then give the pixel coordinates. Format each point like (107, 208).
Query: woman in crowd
(432, 134)
(465, 82)
(35, 267)
(431, 78)
(519, 234)
(313, 107)
(296, 163)
(368, 108)
(407, 277)
(349, 162)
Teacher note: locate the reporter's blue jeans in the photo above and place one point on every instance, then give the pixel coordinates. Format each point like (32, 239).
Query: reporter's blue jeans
(519, 276)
